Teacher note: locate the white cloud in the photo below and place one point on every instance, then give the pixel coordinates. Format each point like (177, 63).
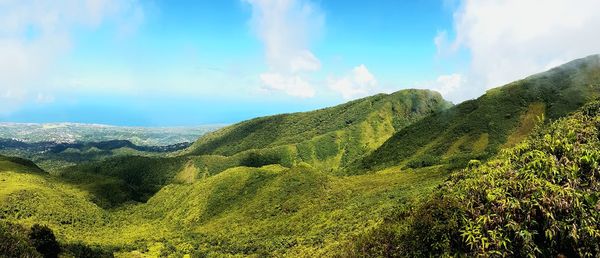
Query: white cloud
(34, 34)
(292, 85)
(305, 61)
(359, 83)
(511, 39)
(286, 28)
(44, 98)
(448, 83)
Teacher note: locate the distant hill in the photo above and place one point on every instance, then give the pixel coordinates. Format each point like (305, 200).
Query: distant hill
(76, 132)
(58, 147)
(478, 129)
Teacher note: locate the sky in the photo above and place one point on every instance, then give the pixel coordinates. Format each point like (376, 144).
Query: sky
(176, 62)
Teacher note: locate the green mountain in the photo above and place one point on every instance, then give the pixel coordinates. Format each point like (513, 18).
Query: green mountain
(242, 211)
(478, 129)
(18, 165)
(538, 198)
(327, 138)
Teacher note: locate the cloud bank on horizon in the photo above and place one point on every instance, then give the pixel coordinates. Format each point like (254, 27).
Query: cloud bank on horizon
(508, 40)
(306, 50)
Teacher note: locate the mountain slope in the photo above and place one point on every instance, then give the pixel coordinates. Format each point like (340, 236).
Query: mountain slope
(477, 129)
(18, 165)
(242, 211)
(539, 198)
(331, 137)
(326, 139)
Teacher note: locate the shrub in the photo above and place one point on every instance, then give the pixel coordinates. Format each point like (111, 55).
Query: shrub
(81, 250)
(14, 241)
(44, 241)
(539, 198)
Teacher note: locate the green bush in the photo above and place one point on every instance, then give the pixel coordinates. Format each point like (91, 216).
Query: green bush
(44, 241)
(81, 250)
(14, 241)
(539, 198)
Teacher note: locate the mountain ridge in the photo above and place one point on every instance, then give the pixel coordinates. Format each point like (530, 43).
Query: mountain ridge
(495, 116)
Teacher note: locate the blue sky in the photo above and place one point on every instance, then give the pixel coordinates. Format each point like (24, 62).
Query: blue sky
(166, 63)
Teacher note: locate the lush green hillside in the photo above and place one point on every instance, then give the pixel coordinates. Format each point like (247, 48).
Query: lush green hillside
(539, 198)
(326, 138)
(275, 210)
(29, 196)
(242, 211)
(118, 180)
(18, 165)
(500, 118)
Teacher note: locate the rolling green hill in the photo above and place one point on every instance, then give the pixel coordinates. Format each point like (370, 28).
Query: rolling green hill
(242, 211)
(539, 198)
(327, 138)
(478, 129)
(18, 165)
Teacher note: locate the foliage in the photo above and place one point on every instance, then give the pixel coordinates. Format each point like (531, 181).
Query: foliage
(123, 179)
(42, 238)
(539, 198)
(244, 211)
(14, 241)
(331, 137)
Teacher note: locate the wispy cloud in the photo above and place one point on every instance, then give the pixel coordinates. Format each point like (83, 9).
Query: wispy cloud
(286, 28)
(359, 83)
(34, 34)
(508, 40)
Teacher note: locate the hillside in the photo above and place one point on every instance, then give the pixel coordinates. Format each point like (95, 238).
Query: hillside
(18, 165)
(478, 129)
(327, 138)
(242, 211)
(539, 198)
(53, 156)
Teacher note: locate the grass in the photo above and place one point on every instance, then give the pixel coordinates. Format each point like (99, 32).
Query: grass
(539, 198)
(241, 211)
(533, 115)
(327, 138)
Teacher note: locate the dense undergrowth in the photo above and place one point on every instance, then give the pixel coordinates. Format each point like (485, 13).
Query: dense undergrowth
(242, 211)
(539, 198)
